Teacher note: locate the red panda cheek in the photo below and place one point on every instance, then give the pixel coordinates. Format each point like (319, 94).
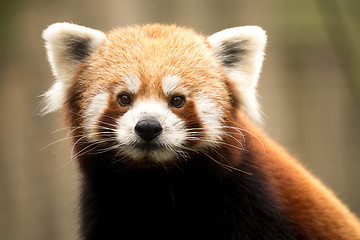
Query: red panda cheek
(193, 123)
(107, 121)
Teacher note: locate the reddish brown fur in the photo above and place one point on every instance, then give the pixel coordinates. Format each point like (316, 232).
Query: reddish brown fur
(313, 208)
(155, 51)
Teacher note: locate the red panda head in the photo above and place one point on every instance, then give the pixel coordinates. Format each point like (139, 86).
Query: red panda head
(153, 93)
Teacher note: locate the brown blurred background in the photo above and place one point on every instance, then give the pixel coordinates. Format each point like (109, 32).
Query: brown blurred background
(310, 88)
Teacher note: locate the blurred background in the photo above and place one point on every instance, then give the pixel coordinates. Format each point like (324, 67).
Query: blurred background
(310, 88)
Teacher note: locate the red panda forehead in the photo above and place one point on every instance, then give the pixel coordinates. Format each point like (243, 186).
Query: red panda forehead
(153, 53)
(156, 32)
(155, 49)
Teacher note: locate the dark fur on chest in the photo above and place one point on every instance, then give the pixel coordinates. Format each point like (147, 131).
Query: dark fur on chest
(196, 200)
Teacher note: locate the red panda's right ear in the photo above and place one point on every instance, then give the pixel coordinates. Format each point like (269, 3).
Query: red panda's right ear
(67, 45)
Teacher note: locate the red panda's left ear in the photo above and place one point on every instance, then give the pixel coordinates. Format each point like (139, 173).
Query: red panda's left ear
(240, 51)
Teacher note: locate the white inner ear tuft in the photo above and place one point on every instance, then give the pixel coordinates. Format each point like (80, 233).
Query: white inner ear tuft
(96, 108)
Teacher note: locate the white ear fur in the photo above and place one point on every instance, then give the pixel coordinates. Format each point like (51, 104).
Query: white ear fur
(67, 45)
(240, 51)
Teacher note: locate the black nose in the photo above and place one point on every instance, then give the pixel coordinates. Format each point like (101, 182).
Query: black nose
(148, 129)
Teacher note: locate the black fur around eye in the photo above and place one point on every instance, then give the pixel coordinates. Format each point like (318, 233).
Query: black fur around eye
(177, 101)
(124, 99)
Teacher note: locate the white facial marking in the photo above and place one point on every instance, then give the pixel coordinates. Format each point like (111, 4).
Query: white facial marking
(170, 83)
(132, 82)
(95, 109)
(211, 117)
(170, 140)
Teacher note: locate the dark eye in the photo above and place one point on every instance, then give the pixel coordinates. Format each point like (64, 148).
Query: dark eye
(124, 99)
(177, 101)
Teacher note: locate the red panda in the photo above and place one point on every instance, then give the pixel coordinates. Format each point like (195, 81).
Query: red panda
(164, 125)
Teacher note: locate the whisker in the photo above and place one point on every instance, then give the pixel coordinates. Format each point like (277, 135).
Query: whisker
(64, 165)
(262, 145)
(252, 134)
(237, 140)
(91, 146)
(87, 149)
(55, 142)
(227, 166)
(218, 142)
(103, 150)
(240, 131)
(65, 128)
(73, 147)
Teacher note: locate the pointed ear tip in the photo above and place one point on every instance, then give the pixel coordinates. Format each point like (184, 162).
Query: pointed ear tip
(253, 33)
(254, 28)
(54, 28)
(60, 28)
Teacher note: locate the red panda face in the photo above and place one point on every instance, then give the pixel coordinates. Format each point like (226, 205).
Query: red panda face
(150, 94)
(158, 104)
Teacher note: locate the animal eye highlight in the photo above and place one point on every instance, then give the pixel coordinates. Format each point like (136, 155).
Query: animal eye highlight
(177, 101)
(124, 99)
